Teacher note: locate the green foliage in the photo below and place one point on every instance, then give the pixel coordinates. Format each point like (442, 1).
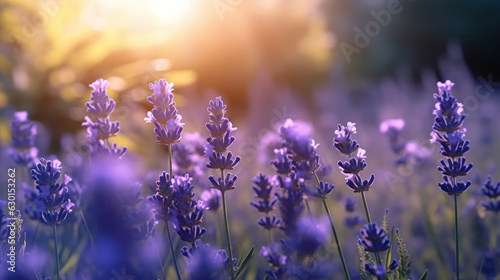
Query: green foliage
(244, 263)
(404, 259)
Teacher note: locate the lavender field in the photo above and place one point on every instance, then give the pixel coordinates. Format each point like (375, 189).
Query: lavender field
(233, 139)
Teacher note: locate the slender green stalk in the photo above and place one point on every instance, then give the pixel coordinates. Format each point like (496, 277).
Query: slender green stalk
(170, 159)
(339, 247)
(457, 254)
(226, 223)
(365, 204)
(56, 254)
(269, 235)
(166, 223)
(87, 228)
(173, 253)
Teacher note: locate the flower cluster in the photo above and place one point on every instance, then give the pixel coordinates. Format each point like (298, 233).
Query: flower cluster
(206, 262)
(164, 115)
(492, 193)
(265, 201)
(187, 155)
(220, 140)
(52, 203)
(301, 148)
(374, 238)
(449, 132)
(23, 131)
(100, 128)
(188, 211)
(351, 168)
(277, 262)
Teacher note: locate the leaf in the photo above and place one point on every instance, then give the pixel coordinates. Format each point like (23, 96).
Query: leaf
(245, 261)
(389, 253)
(424, 276)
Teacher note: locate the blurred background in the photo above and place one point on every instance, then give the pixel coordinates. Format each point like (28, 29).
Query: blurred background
(50, 50)
(324, 62)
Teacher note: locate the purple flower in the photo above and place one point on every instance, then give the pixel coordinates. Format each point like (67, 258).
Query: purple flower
(379, 271)
(99, 125)
(188, 212)
(343, 141)
(23, 133)
(206, 262)
(163, 198)
(449, 132)
(354, 165)
(223, 185)
(308, 237)
(350, 204)
(492, 193)
(269, 222)
(282, 162)
(52, 203)
(277, 262)
(320, 191)
(374, 238)
(219, 161)
(212, 199)
(392, 128)
(353, 221)
(357, 184)
(164, 115)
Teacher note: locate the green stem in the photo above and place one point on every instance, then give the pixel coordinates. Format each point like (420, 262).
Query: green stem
(228, 236)
(365, 204)
(173, 253)
(457, 260)
(339, 247)
(56, 254)
(170, 159)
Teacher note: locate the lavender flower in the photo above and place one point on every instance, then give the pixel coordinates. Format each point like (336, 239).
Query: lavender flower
(350, 204)
(282, 162)
(100, 128)
(212, 199)
(189, 211)
(164, 115)
(374, 238)
(163, 198)
(492, 193)
(351, 168)
(53, 203)
(449, 132)
(277, 262)
(352, 221)
(308, 237)
(301, 148)
(343, 141)
(23, 131)
(206, 262)
(379, 271)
